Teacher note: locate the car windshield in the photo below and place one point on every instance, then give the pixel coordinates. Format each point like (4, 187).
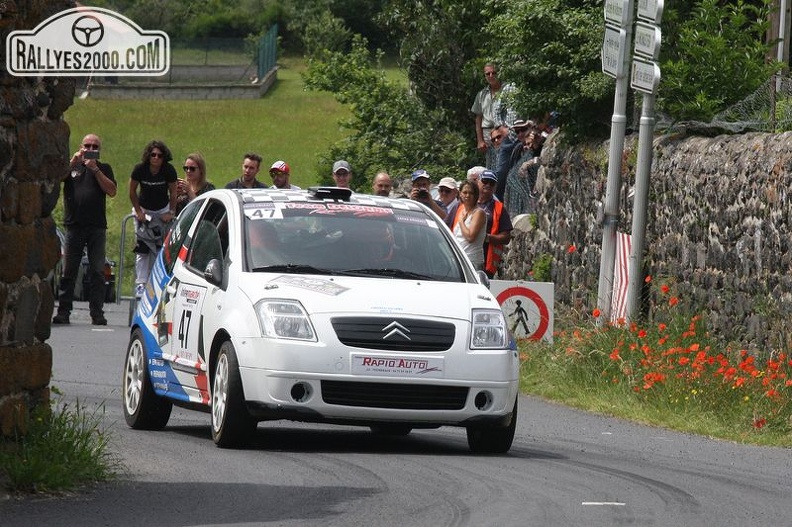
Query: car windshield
(348, 239)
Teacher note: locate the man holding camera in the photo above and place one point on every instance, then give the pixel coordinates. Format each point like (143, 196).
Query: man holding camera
(421, 185)
(86, 185)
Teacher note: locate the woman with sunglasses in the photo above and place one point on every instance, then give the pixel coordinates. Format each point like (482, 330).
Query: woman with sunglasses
(152, 191)
(194, 182)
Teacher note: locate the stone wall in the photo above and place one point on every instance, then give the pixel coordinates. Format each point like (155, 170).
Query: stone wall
(34, 152)
(719, 229)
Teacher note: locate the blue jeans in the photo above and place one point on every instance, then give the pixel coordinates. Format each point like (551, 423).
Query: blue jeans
(95, 239)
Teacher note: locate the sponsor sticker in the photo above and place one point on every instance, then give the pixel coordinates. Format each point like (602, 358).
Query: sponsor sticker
(316, 285)
(395, 366)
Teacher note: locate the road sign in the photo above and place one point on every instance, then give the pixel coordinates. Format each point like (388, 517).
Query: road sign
(645, 75)
(650, 10)
(527, 306)
(617, 12)
(613, 49)
(647, 40)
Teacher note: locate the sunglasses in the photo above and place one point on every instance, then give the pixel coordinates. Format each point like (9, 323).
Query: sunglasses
(91, 146)
(488, 182)
(444, 190)
(489, 73)
(156, 154)
(274, 173)
(189, 169)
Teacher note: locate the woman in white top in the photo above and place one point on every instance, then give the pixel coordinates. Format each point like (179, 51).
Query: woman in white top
(470, 224)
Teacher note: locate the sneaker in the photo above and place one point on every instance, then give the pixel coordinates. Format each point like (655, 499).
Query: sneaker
(139, 290)
(60, 319)
(99, 321)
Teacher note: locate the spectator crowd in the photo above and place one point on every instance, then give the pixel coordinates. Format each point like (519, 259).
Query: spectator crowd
(478, 210)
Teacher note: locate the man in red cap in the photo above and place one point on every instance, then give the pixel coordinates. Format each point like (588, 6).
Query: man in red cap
(280, 176)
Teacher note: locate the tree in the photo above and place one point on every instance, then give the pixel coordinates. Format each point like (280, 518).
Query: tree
(716, 59)
(550, 49)
(390, 128)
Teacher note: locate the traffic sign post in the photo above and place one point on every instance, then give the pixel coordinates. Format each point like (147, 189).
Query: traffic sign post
(527, 306)
(645, 78)
(619, 13)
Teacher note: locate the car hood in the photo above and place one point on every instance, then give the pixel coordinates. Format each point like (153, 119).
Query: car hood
(340, 294)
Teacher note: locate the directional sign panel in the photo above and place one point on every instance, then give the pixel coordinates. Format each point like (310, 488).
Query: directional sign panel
(617, 12)
(645, 76)
(527, 306)
(647, 40)
(650, 10)
(613, 49)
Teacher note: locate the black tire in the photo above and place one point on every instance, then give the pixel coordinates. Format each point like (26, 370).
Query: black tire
(391, 429)
(232, 425)
(493, 439)
(143, 409)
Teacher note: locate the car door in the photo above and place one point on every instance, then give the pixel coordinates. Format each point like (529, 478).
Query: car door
(187, 294)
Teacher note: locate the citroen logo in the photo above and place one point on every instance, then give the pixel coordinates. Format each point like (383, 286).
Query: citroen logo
(395, 329)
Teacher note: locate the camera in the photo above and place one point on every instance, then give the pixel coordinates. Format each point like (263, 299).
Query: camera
(423, 193)
(91, 154)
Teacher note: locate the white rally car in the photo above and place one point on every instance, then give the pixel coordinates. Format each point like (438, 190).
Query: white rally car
(321, 306)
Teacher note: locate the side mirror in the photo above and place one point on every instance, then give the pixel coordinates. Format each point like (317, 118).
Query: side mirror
(484, 279)
(214, 272)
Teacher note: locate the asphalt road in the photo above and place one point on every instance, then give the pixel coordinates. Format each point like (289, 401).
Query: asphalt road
(567, 468)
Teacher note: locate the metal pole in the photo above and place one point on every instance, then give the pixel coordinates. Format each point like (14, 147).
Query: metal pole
(611, 210)
(642, 173)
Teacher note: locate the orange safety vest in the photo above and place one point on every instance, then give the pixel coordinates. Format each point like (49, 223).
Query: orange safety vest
(494, 254)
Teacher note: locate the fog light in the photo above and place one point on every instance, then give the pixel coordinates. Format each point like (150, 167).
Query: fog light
(483, 400)
(301, 392)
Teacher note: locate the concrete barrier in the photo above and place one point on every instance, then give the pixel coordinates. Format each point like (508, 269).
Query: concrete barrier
(205, 89)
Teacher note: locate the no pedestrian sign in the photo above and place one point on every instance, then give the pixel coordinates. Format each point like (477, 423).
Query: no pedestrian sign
(527, 306)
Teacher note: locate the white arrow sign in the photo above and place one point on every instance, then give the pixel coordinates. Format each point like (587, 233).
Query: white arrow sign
(613, 50)
(650, 10)
(617, 12)
(647, 40)
(645, 76)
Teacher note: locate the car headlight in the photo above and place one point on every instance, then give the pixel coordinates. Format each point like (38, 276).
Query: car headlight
(489, 329)
(284, 319)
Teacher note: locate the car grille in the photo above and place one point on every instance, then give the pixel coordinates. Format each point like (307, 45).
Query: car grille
(394, 334)
(398, 396)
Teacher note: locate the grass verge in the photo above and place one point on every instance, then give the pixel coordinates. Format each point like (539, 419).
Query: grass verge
(669, 372)
(65, 447)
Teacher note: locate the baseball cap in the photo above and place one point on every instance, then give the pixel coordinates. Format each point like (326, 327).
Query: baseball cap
(279, 166)
(419, 174)
(489, 174)
(522, 123)
(341, 165)
(447, 182)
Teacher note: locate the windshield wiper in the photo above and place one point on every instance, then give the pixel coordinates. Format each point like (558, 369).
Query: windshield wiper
(292, 269)
(392, 273)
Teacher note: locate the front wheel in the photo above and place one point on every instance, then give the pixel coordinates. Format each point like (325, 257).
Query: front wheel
(232, 424)
(143, 409)
(493, 439)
